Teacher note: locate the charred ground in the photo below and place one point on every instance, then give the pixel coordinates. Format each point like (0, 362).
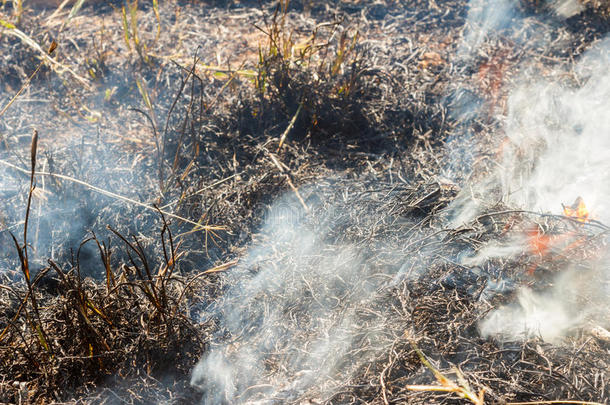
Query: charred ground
(212, 120)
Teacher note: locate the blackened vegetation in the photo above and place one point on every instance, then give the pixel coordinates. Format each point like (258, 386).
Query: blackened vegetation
(112, 315)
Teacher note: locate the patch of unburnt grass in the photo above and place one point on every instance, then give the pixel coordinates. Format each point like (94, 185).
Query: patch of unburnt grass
(322, 89)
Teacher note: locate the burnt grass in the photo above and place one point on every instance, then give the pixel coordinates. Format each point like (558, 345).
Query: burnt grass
(111, 310)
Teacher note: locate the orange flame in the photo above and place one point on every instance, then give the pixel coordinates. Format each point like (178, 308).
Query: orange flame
(542, 244)
(578, 210)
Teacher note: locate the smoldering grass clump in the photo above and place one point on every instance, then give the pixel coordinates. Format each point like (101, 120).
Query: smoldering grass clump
(134, 325)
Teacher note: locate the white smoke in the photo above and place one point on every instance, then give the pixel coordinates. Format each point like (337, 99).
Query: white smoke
(558, 144)
(485, 18)
(551, 314)
(533, 315)
(297, 304)
(302, 307)
(555, 150)
(567, 8)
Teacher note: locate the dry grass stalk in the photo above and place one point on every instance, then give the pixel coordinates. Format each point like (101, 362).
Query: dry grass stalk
(447, 385)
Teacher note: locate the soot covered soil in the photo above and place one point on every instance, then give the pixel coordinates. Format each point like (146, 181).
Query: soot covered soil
(243, 147)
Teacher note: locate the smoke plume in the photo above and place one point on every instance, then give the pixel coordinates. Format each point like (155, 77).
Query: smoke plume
(553, 152)
(309, 301)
